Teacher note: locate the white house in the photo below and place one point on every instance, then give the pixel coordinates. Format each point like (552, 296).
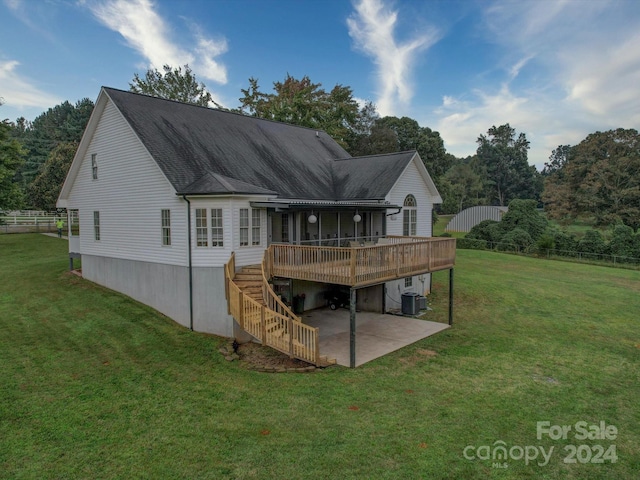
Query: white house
(161, 193)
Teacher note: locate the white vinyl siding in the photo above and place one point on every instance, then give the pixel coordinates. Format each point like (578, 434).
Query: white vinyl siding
(130, 192)
(165, 219)
(410, 183)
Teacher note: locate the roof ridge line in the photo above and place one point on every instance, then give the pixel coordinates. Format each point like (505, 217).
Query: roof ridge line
(374, 155)
(221, 110)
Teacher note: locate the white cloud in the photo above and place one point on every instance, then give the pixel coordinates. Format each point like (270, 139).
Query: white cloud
(13, 4)
(577, 66)
(147, 32)
(461, 121)
(372, 27)
(19, 92)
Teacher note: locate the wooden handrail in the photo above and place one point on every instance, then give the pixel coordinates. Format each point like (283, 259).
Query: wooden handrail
(281, 330)
(270, 297)
(359, 266)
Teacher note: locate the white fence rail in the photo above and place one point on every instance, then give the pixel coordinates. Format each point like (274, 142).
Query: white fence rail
(29, 222)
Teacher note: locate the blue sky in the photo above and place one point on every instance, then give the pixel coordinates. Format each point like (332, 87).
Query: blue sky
(555, 70)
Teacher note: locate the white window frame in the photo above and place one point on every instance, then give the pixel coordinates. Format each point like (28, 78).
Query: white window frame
(202, 230)
(165, 225)
(256, 227)
(410, 216)
(96, 225)
(250, 227)
(244, 226)
(217, 227)
(408, 282)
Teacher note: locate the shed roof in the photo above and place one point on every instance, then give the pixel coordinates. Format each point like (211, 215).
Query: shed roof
(468, 218)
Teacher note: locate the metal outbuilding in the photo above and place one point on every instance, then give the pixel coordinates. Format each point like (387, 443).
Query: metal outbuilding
(470, 217)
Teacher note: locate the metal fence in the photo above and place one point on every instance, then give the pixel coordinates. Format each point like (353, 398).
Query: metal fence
(551, 253)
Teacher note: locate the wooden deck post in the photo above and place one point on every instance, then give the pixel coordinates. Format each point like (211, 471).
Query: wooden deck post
(263, 324)
(240, 309)
(290, 337)
(352, 327)
(352, 271)
(451, 296)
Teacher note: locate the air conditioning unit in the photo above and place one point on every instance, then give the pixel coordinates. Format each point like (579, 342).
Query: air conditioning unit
(409, 303)
(422, 302)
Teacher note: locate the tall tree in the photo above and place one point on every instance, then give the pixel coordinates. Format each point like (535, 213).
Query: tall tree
(63, 123)
(11, 157)
(173, 84)
(558, 159)
(505, 158)
(461, 188)
(45, 189)
(599, 180)
(411, 136)
(302, 102)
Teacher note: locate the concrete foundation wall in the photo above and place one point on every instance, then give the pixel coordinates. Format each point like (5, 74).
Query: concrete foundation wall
(166, 288)
(209, 304)
(369, 299)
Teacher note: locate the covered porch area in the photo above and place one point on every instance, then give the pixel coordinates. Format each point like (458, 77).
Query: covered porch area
(378, 334)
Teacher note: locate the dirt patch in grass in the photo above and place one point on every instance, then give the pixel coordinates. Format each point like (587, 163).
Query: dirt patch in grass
(419, 355)
(253, 355)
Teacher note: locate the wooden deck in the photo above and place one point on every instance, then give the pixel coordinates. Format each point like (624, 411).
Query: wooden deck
(391, 258)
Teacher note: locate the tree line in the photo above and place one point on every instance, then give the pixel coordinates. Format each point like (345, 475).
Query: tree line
(597, 178)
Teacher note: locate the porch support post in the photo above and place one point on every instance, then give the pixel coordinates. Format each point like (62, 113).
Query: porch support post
(451, 296)
(352, 327)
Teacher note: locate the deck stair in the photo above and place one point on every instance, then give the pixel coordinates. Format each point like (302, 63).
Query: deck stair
(262, 314)
(249, 280)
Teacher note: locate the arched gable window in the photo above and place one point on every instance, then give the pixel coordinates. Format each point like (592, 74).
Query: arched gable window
(410, 216)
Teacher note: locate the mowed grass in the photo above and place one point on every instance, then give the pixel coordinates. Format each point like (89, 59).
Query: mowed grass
(95, 385)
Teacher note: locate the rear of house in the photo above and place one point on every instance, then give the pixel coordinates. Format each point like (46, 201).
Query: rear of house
(160, 194)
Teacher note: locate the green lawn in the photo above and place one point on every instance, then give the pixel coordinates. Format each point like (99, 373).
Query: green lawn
(95, 385)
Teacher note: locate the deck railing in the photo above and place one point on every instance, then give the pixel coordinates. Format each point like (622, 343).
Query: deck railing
(273, 301)
(281, 330)
(395, 257)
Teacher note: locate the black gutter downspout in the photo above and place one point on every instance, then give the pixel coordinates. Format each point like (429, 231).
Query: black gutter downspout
(190, 262)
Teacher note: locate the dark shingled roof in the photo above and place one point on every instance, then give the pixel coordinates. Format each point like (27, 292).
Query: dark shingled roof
(207, 151)
(370, 177)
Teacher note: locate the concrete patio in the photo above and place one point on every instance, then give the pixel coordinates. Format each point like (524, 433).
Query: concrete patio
(376, 334)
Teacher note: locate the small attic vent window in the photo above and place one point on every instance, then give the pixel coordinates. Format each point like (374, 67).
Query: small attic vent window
(94, 166)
